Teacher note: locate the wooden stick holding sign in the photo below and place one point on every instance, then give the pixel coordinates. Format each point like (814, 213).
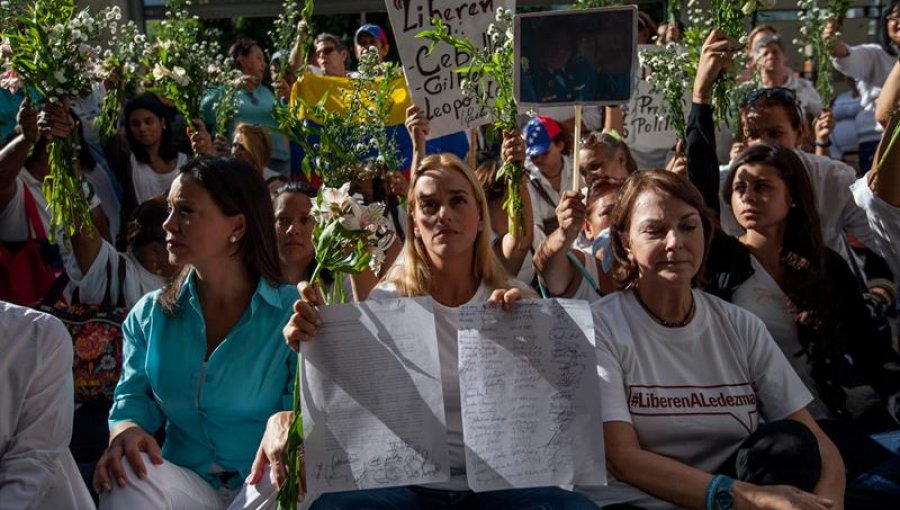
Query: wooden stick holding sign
(576, 173)
(473, 148)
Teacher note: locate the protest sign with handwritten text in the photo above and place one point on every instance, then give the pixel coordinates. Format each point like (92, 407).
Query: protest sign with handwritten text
(433, 84)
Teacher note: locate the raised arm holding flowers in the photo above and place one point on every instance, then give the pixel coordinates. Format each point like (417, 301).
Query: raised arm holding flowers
(495, 64)
(54, 53)
(290, 33)
(182, 62)
(727, 17)
(817, 29)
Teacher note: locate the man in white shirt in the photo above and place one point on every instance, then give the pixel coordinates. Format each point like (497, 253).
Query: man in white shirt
(771, 62)
(36, 468)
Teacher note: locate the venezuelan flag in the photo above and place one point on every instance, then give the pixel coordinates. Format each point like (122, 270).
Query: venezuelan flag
(312, 87)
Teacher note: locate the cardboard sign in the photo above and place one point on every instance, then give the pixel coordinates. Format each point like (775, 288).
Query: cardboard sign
(584, 57)
(433, 84)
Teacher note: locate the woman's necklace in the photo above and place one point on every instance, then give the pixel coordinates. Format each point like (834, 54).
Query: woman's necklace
(668, 324)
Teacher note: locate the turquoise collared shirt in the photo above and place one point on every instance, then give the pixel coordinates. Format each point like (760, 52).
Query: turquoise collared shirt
(215, 412)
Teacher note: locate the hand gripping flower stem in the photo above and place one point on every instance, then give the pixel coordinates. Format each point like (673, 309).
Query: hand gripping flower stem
(728, 16)
(493, 63)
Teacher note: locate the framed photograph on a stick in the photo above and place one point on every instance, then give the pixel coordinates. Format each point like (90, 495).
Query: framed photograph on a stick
(585, 57)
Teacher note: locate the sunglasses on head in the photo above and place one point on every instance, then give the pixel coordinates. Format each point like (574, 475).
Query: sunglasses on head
(781, 94)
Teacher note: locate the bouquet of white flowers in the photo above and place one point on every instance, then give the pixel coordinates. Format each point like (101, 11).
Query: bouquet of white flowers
(182, 62)
(812, 23)
(348, 236)
(353, 143)
(122, 61)
(729, 17)
(55, 53)
(670, 72)
(489, 79)
(226, 105)
(284, 32)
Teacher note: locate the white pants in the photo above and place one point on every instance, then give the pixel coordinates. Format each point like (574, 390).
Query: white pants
(171, 487)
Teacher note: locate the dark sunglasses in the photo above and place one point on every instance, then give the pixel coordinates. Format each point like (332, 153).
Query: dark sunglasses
(328, 50)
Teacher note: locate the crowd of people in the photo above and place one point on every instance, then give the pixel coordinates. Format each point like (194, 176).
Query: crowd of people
(767, 280)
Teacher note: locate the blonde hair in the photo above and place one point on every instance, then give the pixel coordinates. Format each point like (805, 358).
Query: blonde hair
(412, 276)
(257, 142)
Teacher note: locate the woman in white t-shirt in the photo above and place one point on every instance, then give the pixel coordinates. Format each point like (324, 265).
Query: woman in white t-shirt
(152, 163)
(448, 256)
(95, 270)
(688, 380)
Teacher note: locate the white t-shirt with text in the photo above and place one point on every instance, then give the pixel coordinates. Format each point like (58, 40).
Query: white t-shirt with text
(692, 394)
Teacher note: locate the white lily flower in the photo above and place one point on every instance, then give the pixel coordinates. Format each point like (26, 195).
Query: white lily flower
(180, 76)
(372, 218)
(160, 72)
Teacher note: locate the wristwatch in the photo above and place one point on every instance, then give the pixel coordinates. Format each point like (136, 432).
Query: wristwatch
(722, 498)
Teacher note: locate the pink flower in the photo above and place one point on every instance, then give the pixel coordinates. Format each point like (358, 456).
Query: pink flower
(11, 81)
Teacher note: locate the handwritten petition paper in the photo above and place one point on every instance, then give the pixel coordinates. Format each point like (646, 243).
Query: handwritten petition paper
(530, 395)
(373, 408)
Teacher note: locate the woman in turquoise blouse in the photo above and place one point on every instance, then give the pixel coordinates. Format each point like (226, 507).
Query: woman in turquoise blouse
(255, 102)
(204, 356)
